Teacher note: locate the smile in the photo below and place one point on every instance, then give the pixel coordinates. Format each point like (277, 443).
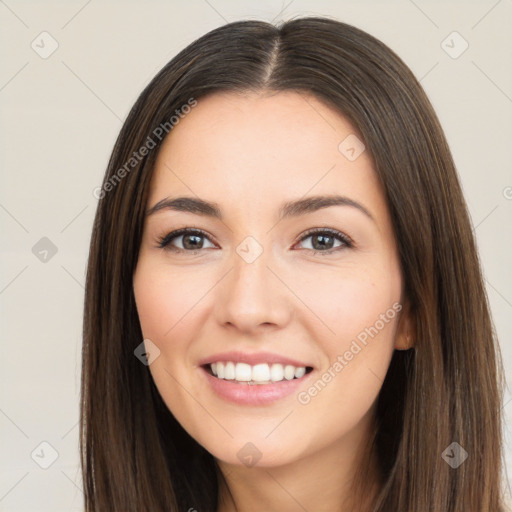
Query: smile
(259, 374)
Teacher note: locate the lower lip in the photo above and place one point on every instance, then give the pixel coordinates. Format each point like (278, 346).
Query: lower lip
(253, 394)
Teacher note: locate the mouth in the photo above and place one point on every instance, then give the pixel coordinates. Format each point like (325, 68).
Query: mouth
(255, 378)
(254, 375)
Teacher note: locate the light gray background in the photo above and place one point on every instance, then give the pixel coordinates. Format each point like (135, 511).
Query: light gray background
(61, 115)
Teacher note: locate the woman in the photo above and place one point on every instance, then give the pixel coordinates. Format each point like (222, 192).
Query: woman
(284, 305)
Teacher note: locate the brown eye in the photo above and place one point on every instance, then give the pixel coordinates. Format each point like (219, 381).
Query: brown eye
(189, 239)
(324, 240)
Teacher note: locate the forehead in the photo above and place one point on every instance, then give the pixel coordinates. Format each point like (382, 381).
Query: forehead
(260, 149)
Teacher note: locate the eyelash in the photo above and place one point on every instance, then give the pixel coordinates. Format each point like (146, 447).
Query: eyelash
(164, 241)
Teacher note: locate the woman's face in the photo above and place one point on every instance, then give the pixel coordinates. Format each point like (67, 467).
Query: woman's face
(266, 284)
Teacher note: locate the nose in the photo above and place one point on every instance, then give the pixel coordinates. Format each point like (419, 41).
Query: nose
(253, 297)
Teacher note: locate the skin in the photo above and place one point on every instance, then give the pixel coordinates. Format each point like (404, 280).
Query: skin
(250, 153)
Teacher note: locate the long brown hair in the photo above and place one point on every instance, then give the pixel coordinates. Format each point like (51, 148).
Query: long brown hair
(447, 389)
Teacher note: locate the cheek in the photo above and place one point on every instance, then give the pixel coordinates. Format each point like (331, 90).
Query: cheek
(348, 301)
(163, 298)
(165, 304)
(355, 319)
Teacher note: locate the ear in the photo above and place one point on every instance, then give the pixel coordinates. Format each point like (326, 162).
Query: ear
(406, 329)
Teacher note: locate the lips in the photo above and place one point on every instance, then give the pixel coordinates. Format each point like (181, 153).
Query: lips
(261, 394)
(250, 392)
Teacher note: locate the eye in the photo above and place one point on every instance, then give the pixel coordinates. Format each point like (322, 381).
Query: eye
(192, 240)
(323, 240)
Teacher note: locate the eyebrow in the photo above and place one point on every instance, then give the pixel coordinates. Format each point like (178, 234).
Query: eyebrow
(288, 209)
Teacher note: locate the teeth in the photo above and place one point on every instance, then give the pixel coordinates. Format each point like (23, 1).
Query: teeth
(258, 374)
(300, 372)
(276, 372)
(229, 371)
(242, 372)
(289, 372)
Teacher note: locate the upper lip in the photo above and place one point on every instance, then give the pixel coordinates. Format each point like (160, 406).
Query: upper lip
(251, 358)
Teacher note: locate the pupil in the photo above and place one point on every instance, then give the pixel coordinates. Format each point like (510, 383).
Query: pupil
(187, 245)
(322, 244)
